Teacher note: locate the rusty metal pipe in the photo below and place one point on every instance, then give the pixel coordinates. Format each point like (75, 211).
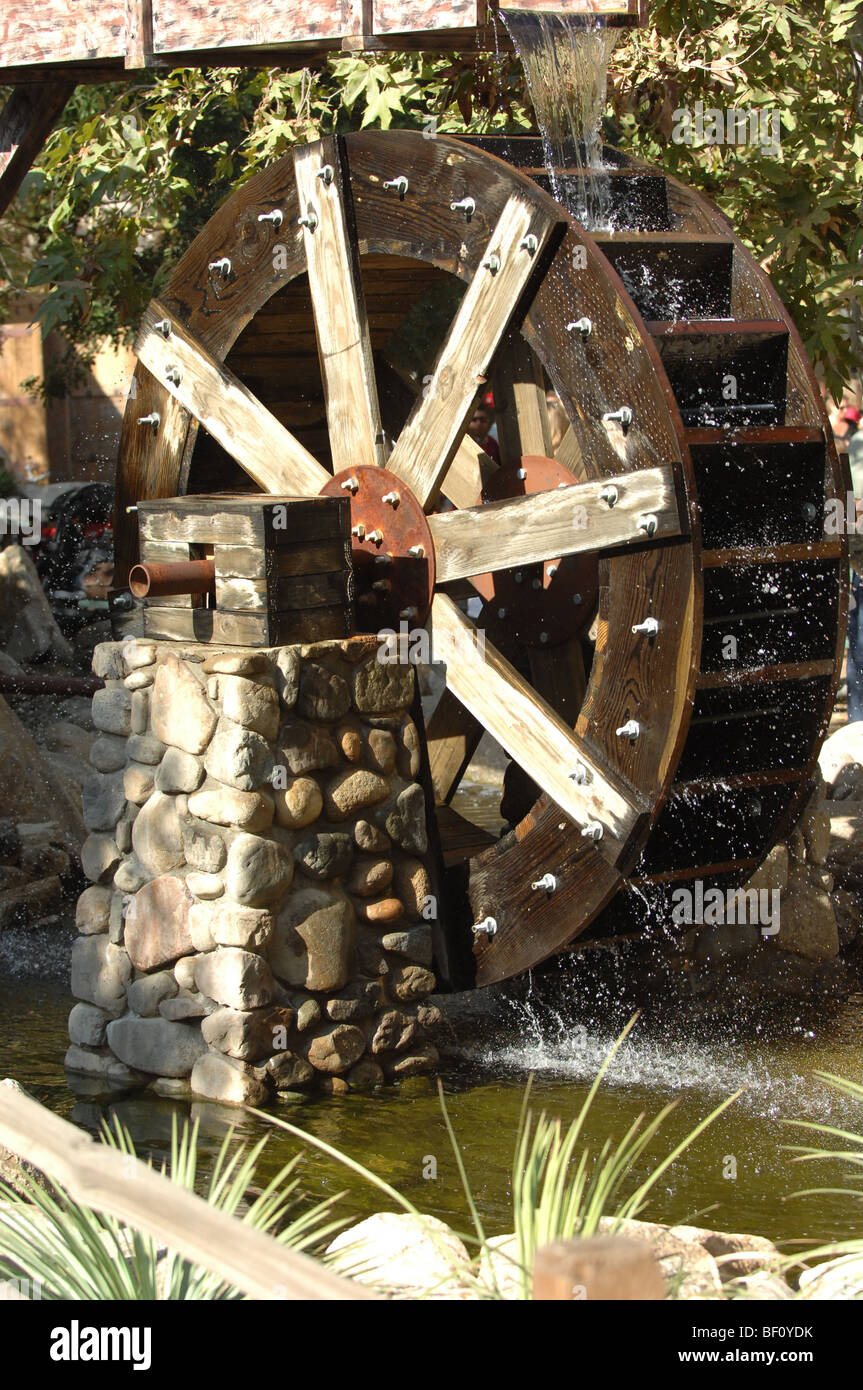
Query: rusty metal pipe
(159, 579)
(30, 684)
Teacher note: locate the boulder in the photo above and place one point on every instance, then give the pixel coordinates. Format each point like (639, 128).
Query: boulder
(179, 772)
(305, 748)
(839, 750)
(158, 930)
(252, 811)
(180, 713)
(403, 1254)
(157, 835)
(250, 1035)
(352, 791)
(31, 789)
(234, 977)
(229, 924)
(326, 855)
(238, 757)
(87, 1025)
(146, 993)
(156, 1045)
(807, 923)
(382, 687)
(91, 914)
(225, 1079)
(259, 872)
(322, 694)
(251, 704)
(104, 800)
(28, 631)
(313, 942)
(336, 1049)
(100, 973)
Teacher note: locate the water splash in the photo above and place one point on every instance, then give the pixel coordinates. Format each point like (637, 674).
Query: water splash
(565, 61)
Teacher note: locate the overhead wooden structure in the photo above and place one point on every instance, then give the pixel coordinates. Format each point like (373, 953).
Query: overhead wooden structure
(330, 328)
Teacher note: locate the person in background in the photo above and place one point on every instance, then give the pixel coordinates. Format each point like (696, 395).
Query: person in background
(479, 429)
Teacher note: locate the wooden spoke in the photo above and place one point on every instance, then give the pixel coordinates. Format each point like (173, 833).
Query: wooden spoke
(429, 440)
(344, 344)
(467, 473)
(273, 457)
(558, 675)
(531, 733)
(25, 121)
(524, 530)
(453, 736)
(568, 453)
(519, 402)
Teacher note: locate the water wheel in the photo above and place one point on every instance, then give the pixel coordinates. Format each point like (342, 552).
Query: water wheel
(330, 329)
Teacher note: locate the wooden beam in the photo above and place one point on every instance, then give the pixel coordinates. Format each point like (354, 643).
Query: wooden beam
(27, 118)
(520, 408)
(452, 736)
(568, 452)
(105, 1180)
(273, 457)
(428, 443)
(531, 733)
(344, 343)
(139, 34)
(566, 521)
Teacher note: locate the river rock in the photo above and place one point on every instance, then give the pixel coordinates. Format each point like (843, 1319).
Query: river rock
(382, 687)
(259, 871)
(146, 993)
(415, 945)
(157, 835)
(205, 886)
(416, 1063)
(410, 754)
(179, 772)
(287, 672)
(228, 924)
(245, 663)
(100, 1064)
(138, 655)
(326, 855)
(308, 1014)
(140, 713)
(366, 1075)
(139, 680)
(157, 930)
(238, 756)
(306, 748)
(92, 911)
(807, 924)
(112, 710)
(131, 875)
(186, 1004)
(227, 1080)
(250, 1035)
(204, 848)
(323, 694)
(251, 704)
(370, 838)
(736, 1255)
(350, 742)
(407, 1255)
(99, 857)
(100, 973)
(410, 982)
(156, 1045)
(87, 1025)
(382, 751)
(108, 661)
(336, 1049)
(288, 1071)
(180, 712)
(108, 754)
(405, 822)
(839, 750)
(387, 1030)
(139, 783)
(352, 790)
(312, 945)
(370, 876)
(145, 748)
(299, 803)
(252, 811)
(234, 977)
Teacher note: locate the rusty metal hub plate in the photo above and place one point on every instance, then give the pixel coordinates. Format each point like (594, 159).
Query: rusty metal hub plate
(392, 548)
(541, 604)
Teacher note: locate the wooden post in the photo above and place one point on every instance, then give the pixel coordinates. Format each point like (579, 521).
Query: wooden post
(27, 117)
(604, 1268)
(139, 33)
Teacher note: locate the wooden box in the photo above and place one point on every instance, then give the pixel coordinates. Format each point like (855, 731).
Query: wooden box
(283, 570)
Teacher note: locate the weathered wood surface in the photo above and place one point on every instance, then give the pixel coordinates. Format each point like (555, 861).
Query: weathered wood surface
(567, 521)
(344, 345)
(429, 441)
(139, 33)
(453, 735)
(26, 119)
(270, 454)
(55, 32)
(531, 733)
(521, 413)
(118, 1185)
(247, 629)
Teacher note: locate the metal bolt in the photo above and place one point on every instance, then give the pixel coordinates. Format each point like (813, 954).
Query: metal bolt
(277, 217)
(609, 494)
(581, 775)
(521, 474)
(529, 243)
(392, 497)
(309, 218)
(543, 637)
(582, 326)
(376, 537)
(399, 184)
(152, 419)
(648, 523)
(465, 205)
(546, 884)
(649, 627)
(518, 576)
(350, 484)
(409, 612)
(130, 510)
(536, 583)
(551, 571)
(809, 510)
(173, 374)
(383, 559)
(623, 416)
(221, 267)
(163, 327)
(577, 599)
(592, 831)
(326, 173)
(487, 927)
(382, 586)
(501, 612)
(416, 552)
(492, 263)
(359, 530)
(631, 729)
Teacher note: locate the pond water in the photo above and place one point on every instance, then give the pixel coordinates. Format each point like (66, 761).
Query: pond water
(736, 1177)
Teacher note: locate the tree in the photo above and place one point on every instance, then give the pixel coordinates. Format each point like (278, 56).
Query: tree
(132, 172)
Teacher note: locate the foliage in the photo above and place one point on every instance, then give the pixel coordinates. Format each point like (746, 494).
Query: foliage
(133, 171)
(810, 1153)
(78, 1253)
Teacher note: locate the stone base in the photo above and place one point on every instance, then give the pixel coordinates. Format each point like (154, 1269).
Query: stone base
(260, 914)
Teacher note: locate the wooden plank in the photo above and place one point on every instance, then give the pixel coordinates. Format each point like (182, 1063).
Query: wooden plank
(28, 116)
(531, 733)
(248, 595)
(568, 452)
(55, 32)
(792, 671)
(246, 629)
(460, 838)
(344, 345)
(702, 871)
(453, 736)
(240, 562)
(557, 674)
(139, 33)
(566, 521)
(181, 25)
(521, 413)
(430, 439)
(781, 553)
(270, 454)
(116, 1184)
(166, 524)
